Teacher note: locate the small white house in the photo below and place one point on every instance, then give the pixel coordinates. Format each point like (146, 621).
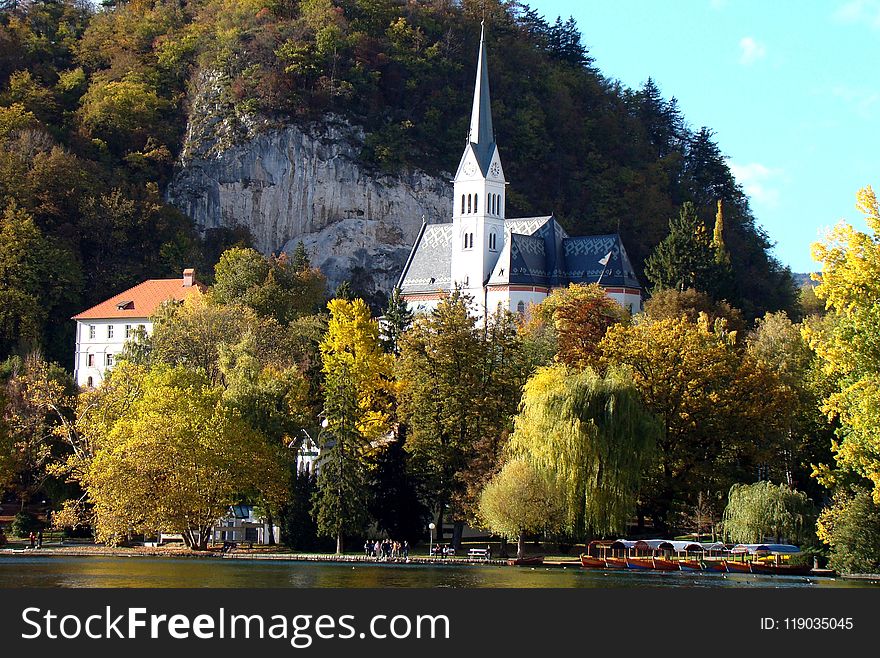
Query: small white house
(240, 526)
(102, 330)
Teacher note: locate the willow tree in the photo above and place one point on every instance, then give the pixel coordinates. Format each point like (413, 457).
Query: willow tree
(519, 500)
(592, 438)
(764, 509)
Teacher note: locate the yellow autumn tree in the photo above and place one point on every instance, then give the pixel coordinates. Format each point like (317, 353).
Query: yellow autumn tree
(175, 460)
(358, 393)
(721, 409)
(848, 340)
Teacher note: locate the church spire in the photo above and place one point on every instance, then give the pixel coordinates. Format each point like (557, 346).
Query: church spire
(481, 133)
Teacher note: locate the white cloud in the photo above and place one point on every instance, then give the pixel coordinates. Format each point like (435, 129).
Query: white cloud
(756, 180)
(866, 12)
(862, 101)
(750, 51)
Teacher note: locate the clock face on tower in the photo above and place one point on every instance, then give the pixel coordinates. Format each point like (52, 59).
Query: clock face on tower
(470, 169)
(495, 169)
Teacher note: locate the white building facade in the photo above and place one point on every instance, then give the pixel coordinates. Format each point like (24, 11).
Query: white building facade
(101, 331)
(500, 262)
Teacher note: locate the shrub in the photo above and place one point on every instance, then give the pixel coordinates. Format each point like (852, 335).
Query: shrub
(25, 523)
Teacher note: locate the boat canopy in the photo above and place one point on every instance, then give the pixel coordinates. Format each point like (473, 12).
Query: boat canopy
(659, 544)
(713, 547)
(630, 544)
(753, 549)
(686, 546)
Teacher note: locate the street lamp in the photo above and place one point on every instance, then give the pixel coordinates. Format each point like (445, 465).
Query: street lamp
(431, 527)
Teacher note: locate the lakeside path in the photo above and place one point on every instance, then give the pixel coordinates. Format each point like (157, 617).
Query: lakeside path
(91, 550)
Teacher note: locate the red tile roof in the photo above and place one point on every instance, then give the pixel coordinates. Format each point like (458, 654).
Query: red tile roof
(140, 301)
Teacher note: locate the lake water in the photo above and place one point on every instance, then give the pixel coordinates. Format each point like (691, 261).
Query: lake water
(195, 572)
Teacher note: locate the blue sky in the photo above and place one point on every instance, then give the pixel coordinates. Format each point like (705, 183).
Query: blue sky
(791, 89)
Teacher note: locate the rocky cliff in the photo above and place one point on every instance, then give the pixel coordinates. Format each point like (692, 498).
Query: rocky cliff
(304, 182)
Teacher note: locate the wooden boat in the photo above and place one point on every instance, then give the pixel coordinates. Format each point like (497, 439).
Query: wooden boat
(615, 563)
(640, 563)
(690, 565)
(527, 561)
(717, 566)
(592, 562)
(737, 567)
(664, 564)
(780, 569)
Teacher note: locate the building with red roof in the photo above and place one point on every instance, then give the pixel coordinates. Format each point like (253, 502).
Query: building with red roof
(101, 331)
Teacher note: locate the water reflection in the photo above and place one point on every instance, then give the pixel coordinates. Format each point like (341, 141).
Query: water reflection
(203, 572)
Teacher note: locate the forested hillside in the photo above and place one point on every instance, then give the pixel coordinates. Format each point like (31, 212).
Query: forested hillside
(93, 109)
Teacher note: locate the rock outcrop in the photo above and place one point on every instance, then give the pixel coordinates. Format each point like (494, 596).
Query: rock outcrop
(292, 183)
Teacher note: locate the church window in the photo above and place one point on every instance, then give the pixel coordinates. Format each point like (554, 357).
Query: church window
(521, 308)
(91, 331)
(462, 204)
(469, 203)
(90, 382)
(476, 204)
(90, 360)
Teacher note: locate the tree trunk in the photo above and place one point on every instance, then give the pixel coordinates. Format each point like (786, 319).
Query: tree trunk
(439, 522)
(503, 549)
(339, 544)
(457, 530)
(271, 523)
(521, 545)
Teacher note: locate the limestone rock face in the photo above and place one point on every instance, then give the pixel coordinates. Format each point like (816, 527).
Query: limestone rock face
(291, 183)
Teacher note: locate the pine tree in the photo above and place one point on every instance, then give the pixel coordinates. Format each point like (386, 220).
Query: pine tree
(685, 258)
(398, 318)
(300, 260)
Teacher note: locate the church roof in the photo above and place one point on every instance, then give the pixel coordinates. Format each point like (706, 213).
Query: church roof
(582, 256)
(481, 136)
(428, 268)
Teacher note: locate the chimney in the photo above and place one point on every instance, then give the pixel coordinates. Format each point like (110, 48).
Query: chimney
(189, 275)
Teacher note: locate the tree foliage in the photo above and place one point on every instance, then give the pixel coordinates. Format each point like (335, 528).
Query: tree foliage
(517, 501)
(848, 341)
(591, 438)
(176, 460)
(757, 511)
(851, 527)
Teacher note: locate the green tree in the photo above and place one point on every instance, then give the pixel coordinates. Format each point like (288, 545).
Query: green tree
(851, 527)
(519, 501)
(722, 411)
(274, 287)
(591, 438)
(398, 318)
(760, 510)
(685, 258)
(176, 461)
(441, 392)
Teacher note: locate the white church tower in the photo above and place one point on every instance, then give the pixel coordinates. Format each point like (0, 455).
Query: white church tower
(478, 195)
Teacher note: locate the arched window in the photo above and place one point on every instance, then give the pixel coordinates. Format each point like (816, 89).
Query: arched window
(469, 203)
(495, 204)
(476, 204)
(471, 235)
(521, 308)
(462, 204)
(89, 382)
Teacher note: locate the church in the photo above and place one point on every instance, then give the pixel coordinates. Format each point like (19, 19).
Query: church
(510, 263)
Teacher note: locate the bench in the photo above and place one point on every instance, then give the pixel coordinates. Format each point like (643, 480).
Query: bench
(482, 553)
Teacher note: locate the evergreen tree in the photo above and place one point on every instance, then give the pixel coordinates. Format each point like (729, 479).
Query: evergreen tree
(685, 258)
(398, 318)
